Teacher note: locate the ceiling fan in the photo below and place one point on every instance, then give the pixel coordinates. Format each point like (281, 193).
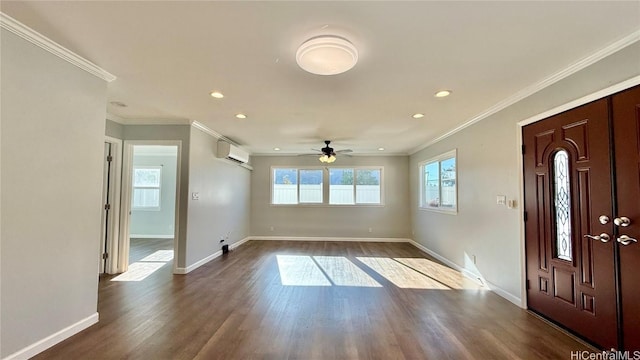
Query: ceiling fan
(328, 155)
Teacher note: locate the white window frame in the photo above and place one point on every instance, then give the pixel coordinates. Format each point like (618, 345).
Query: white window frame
(355, 171)
(326, 185)
(134, 187)
(423, 205)
(297, 168)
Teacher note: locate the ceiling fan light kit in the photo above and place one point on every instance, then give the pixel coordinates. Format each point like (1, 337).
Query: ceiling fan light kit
(327, 55)
(327, 158)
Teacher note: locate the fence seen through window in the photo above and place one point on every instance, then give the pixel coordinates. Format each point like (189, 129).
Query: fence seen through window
(346, 186)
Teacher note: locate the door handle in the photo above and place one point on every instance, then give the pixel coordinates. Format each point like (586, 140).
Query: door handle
(604, 237)
(626, 240)
(622, 221)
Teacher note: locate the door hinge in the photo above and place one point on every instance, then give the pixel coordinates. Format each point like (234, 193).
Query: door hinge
(107, 206)
(528, 285)
(105, 256)
(525, 216)
(523, 149)
(109, 158)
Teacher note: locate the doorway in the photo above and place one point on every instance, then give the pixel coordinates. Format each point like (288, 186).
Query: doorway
(150, 208)
(582, 219)
(110, 206)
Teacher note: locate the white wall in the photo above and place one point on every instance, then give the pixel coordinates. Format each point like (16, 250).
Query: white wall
(150, 223)
(52, 136)
(389, 221)
(223, 207)
(488, 165)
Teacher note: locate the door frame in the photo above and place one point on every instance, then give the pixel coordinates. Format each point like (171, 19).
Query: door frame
(610, 90)
(113, 225)
(125, 214)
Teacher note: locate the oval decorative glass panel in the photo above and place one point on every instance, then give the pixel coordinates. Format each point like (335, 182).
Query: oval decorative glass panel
(562, 203)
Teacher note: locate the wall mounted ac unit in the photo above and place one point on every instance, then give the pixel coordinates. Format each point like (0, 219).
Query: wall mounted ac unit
(232, 152)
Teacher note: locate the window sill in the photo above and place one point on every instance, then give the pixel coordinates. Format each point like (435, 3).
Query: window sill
(440, 210)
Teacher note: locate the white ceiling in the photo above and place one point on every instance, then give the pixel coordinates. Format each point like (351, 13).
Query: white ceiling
(168, 56)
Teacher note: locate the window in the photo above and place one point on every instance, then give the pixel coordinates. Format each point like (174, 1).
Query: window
(439, 183)
(341, 187)
(146, 187)
(368, 186)
(285, 186)
(355, 186)
(344, 186)
(311, 186)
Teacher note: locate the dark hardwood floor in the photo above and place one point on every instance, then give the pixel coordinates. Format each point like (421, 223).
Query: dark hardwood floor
(236, 307)
(141, 248)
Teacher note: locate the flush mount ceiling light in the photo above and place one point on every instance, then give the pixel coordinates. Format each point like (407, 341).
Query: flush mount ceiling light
(327, 55)
(216, 94)
(241, 116)
(417, 116)
(442, 93)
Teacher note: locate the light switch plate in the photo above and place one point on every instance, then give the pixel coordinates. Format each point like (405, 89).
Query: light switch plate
(501, 200)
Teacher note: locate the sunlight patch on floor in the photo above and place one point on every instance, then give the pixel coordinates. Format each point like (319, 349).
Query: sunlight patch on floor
(140, 270)
(160, 255)
(441, 273)
(298, 270)
(401, 275)
(345, 273)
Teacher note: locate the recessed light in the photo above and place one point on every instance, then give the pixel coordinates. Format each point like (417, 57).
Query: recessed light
(417, 116)
(241, 116)
(380, 149)
(216, 94)
(443, 93)
(118, 104)
(276, 149)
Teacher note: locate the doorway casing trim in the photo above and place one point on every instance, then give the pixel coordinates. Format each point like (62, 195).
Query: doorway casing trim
(114, 220)
(127, 171)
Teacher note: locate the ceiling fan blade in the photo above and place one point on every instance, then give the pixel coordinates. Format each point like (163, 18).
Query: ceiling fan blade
(344, 151)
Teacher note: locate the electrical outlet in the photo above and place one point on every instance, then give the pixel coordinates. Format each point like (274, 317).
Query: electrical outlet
(370, 229)
(195, 196)
(501, 200)
(271, 228)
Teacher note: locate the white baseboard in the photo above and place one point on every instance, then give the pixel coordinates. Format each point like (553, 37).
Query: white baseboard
(190, 268)
(42, 345)
(143, 236)
(471, 275)
(240, 242)
(505, 294)
(320, 238)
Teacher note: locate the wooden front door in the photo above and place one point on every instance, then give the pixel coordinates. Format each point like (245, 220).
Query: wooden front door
(582, 203)
(626, 127)
(570, 254)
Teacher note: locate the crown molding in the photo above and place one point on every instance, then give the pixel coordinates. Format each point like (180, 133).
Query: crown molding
(367, 154)
(116, 118)
(534, 88)
(148, 121)
(207, 130)
(23, 31)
